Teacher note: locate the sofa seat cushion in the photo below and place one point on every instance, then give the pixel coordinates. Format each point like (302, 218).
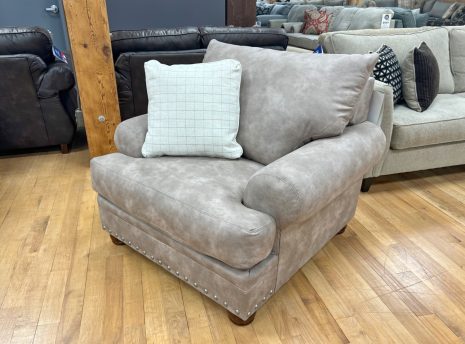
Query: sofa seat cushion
(300, 40)
(443, 122)
(196, 201)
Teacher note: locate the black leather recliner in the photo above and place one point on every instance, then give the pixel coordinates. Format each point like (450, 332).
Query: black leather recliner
(37, 94)
(131, 49)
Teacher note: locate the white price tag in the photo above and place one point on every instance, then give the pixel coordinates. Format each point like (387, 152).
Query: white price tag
(386, 21)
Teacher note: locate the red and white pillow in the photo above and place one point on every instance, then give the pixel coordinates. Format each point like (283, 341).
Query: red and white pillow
(316, 22)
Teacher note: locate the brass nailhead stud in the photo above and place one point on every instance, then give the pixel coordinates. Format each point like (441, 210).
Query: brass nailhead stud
(205, 291)
(177, 273)
(186, 278)
(237, 311)
(195, 284)
(256, 306)
(215, 297)
(225, 303)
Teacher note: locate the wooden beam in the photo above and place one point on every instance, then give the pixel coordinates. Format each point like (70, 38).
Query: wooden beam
(240, 12)
(89, 36)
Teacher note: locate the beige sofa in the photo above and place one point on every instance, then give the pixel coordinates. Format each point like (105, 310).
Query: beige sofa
(416, 141)
(345, 18)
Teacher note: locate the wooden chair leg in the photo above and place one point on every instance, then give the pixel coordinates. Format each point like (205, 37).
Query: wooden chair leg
(64, 148)
(116, 241)
(342, 230)
(238, 321)
(366, 184)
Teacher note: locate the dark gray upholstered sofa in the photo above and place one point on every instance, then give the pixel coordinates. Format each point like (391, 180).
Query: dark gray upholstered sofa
(131, 49)
(37, 95)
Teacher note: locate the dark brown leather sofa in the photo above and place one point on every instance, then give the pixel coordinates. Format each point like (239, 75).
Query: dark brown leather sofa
(131, 49)
(37, 95)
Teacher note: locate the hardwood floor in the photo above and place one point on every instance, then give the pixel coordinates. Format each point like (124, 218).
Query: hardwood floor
(396, 274)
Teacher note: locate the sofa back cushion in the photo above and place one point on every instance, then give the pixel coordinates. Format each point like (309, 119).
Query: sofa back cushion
(132, 87)
(289, 99)
(353, 18)
(386, 3)
(27, 40)
(442, 9)
(457, 56)
(250, 36)
(401, 41)
(282, 10)
(297, 13)
(154, 40)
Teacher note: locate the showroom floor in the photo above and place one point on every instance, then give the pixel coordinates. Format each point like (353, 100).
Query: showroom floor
(396, 275)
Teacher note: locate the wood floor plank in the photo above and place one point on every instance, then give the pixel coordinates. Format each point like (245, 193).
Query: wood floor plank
(395, 276)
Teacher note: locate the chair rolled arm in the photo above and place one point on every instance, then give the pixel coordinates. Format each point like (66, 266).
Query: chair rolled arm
(58, 77)
(293, 188)
(130, 136)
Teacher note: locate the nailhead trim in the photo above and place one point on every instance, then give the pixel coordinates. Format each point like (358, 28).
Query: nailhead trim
(177, 273)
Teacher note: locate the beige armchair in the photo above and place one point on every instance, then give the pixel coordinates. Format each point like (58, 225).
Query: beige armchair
(237, 230)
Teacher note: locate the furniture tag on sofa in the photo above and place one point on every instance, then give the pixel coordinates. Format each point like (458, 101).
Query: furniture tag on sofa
(386, 21)
(59, 54)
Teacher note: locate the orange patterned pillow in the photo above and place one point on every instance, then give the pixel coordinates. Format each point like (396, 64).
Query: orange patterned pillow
(316, 22)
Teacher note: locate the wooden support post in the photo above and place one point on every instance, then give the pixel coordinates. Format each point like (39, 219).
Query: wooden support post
(240, 12)
(89, 36)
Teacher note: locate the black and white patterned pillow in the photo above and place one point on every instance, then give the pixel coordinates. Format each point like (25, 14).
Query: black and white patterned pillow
(388, 70)
(263, 8)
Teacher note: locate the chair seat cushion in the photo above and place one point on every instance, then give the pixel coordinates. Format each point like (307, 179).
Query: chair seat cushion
(195, 200)
(442, 122)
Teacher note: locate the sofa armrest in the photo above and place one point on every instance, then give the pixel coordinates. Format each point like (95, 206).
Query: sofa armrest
(382, 117)
(293, 188)
(264, 19)
(277, 23)
(58, 77)
(130, 136)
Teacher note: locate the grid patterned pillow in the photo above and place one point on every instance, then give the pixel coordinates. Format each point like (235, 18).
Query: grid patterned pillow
(193, 109)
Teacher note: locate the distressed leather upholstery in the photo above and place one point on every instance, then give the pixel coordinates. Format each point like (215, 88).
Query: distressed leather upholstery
(237, 230)
(38, 99)
(131, 49)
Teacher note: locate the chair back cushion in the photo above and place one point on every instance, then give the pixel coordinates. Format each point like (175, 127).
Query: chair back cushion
(401, 41)
(289, 99)
(26, 40)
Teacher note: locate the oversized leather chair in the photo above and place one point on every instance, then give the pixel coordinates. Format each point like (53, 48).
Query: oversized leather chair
(37, 95)
(131, 49)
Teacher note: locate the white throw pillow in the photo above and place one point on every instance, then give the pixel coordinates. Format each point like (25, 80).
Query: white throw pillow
(193, 109)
